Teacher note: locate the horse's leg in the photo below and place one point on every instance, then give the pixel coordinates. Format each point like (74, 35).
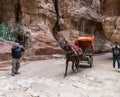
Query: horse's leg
(73, 65)
(76, 64)
(66, 68)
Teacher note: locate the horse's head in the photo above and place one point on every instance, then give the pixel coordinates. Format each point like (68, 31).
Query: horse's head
(66, 47)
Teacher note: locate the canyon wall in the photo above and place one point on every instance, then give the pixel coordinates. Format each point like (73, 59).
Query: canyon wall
(111, 19)
(77, 18)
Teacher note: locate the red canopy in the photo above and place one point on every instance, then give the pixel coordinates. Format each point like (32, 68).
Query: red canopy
(85, 42)
(85, 38)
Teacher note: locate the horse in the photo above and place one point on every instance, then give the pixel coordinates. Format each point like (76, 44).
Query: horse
(70, 56)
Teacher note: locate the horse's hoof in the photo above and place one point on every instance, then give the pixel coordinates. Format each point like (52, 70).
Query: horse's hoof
(64, 76)
(76, 71)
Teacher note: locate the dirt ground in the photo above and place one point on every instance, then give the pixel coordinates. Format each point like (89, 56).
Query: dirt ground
(44, 78)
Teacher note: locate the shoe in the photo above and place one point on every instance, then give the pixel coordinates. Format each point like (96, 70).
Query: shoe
(118, 70)
(114, 69)
(12, 74)
(17, 72)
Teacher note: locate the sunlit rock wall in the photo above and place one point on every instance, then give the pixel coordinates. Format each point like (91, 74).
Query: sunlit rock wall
(77, 18)
(111, 19)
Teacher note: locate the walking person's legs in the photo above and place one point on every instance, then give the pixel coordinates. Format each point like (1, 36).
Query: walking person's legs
(17, 66)
(114, 60)
(118, 60)
(14, 61)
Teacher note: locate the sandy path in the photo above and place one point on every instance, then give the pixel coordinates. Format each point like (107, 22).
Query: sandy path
(45, 79)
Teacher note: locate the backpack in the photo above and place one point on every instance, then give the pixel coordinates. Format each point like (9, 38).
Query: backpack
(116, 51)
(16, 52)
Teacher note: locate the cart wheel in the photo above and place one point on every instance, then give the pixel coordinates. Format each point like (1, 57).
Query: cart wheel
(91, 61)
(91, 64)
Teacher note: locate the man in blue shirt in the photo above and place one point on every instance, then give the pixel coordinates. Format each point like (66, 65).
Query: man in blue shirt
(116, 56)
(16, 55)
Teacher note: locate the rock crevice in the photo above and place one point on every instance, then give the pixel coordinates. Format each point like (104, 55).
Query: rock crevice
(76, 18)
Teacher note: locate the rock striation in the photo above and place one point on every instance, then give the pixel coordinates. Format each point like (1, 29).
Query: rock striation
(111, 19)
(77, 18)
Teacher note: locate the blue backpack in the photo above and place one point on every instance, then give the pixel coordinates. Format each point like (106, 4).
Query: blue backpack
(16, 52)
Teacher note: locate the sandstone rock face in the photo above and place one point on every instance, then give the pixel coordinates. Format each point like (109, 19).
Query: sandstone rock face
(111, 19)
(39, 17)
(5, 50)
(77, 18)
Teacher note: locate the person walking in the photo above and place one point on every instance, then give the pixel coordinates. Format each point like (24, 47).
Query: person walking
(116, 56)
(16, 55)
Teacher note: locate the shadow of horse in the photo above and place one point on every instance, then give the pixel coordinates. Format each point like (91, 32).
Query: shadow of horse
(70, 58)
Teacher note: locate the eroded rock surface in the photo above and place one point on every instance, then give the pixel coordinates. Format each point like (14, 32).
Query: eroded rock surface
(111, 19)
(77, 18)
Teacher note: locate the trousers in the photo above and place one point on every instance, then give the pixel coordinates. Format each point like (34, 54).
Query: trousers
(15, 65)
(116, 58)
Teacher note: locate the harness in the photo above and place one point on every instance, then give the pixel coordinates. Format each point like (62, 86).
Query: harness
(77, 50)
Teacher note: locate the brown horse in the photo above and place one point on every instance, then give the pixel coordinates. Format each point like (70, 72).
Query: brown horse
(70, 56)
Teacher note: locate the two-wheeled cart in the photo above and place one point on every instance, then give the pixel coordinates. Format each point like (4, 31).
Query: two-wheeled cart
(86, 44)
